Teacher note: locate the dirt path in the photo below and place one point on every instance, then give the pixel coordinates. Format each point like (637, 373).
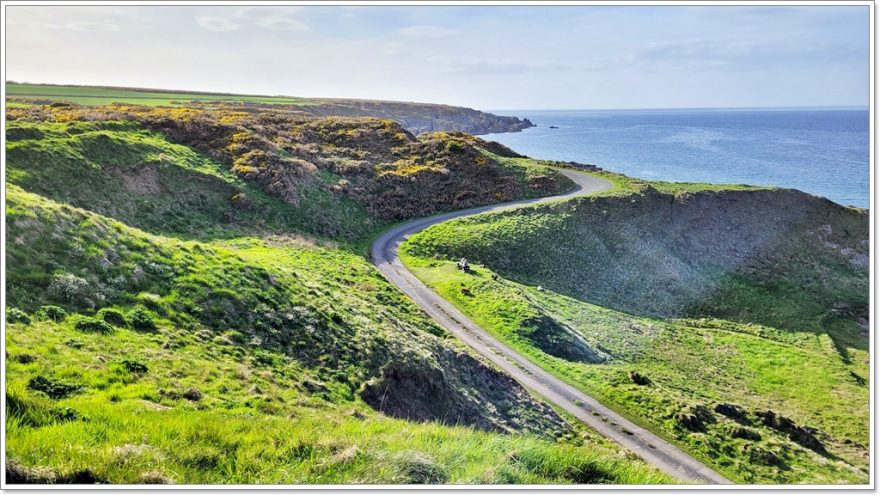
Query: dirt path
(643, 443)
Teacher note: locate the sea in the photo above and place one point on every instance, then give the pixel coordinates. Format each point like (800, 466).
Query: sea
(820, 151)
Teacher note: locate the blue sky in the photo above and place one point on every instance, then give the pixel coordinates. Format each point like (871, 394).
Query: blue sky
(493, 57)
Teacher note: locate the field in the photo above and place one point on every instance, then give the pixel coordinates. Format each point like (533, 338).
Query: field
(91, 95)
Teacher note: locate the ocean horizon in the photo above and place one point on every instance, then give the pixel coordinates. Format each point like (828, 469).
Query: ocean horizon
(818, 150)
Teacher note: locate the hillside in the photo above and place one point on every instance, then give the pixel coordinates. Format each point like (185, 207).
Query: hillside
(415, 117)
(192, 171)
(188, 302)
(696, 310)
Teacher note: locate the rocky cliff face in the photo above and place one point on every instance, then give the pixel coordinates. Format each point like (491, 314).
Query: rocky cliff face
(419, 117)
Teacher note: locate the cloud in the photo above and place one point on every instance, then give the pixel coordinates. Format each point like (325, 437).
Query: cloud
(218, 24)
(282, 23)
(91, 26)
(427, 31)
(267, 18)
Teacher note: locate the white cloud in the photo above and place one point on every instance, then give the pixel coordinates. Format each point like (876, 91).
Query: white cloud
(91, 26)
(282, 23)
(219, 24)
(427, 31)
(267, 18)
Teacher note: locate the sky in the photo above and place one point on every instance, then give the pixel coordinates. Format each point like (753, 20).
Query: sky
(491, 57)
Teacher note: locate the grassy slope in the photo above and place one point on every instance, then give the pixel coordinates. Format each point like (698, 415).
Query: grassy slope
(338, 178)
(139, 177)
(278, 330)
(799, 374)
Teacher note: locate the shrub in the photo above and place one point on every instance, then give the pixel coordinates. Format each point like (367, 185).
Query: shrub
(263, 358)
(53, 387)
(236, 337)
(15, 315)
(52, 313)
(68, 287)
(142, 321)
(91, 325)
(113, 317)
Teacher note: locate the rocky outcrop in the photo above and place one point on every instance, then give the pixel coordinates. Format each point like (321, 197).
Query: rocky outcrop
(421, 117)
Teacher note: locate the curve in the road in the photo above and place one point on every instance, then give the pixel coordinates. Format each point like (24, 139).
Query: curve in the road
(640, 441)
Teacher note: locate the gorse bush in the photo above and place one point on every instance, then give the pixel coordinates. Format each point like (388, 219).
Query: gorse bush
(88, 324)
(15, 315)
(52, 313)
(258, 172)
(141, 320)
(113, 317)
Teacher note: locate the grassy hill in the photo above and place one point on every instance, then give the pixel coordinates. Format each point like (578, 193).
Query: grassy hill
(185, 171)
(695, 310)
(176, 315)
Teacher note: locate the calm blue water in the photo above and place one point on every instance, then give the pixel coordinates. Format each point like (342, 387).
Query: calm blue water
(823, 152)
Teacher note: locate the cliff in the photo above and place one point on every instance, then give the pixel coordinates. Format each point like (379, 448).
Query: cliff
(415, 117)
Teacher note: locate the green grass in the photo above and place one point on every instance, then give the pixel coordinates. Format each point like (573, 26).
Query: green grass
(91, 95)
(278, 334)
(776, 257)
(807, 370)
(689, 362)
(255, 423)
(138, 176)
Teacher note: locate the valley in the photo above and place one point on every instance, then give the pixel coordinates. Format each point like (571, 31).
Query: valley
(192, 298)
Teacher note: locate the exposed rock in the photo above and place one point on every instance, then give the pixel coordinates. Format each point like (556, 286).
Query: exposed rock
(19, 474)
(16, 473)
(421, 117)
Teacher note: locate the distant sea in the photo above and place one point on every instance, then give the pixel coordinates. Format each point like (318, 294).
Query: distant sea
(819, 151)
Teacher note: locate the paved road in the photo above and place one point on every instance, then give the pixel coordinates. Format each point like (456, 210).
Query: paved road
(643, 443)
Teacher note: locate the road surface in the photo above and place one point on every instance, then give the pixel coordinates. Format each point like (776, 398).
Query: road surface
(640, 441)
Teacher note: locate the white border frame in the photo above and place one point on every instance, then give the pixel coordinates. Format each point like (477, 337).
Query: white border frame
(467, 488)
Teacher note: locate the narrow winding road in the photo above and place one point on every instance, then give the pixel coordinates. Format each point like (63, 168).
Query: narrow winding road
(643, 443)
